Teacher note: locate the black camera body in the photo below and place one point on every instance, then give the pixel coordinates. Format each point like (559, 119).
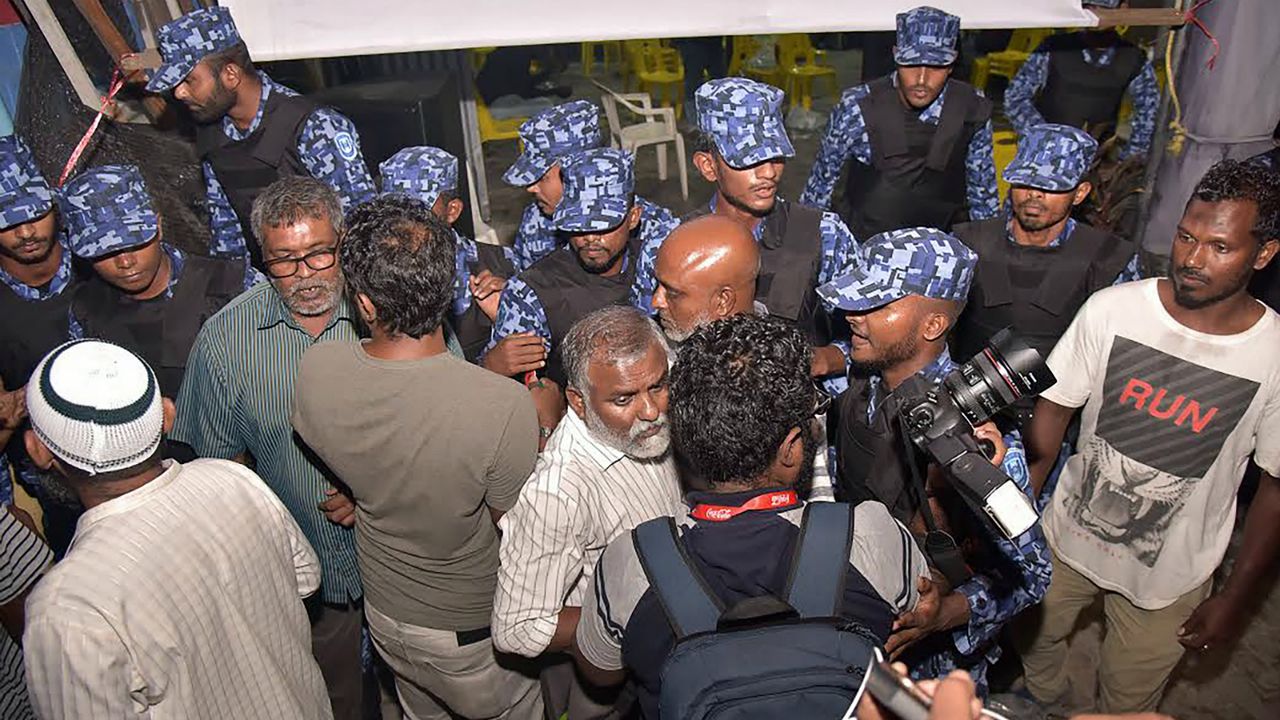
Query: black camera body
(939, 419)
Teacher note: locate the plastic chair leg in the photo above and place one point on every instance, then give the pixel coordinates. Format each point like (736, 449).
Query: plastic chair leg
(661, 150)
(683, 165)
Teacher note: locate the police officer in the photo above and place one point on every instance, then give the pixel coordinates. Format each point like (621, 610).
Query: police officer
(431, 175)
(901, 299)
(252, 129)
(599, 214)
(919, 140)
(1079, 79)
(146, 295)
(37, 280)
(1037, 268)
(742, 146)
(548, 137)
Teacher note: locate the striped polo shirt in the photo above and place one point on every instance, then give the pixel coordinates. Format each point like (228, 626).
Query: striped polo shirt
(237, 396)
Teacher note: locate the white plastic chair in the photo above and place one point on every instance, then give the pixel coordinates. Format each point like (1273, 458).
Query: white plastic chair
(658, 129)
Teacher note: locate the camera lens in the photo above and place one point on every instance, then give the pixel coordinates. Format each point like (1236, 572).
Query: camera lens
(1006, 370)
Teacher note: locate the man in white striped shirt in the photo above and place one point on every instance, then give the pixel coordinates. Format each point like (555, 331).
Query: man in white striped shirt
(181, 594)
(606, 469)
(706, 270)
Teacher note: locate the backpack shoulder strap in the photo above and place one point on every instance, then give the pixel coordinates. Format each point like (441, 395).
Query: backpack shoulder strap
(821, 561)
(689, 604)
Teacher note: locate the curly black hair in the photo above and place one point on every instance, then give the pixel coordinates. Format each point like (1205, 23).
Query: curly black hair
(738, 387)
(1236, 180)
(400, 255)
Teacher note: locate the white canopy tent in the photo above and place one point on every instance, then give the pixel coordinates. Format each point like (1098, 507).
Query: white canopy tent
(290, 29)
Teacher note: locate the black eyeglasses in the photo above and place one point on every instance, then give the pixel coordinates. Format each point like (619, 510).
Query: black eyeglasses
(321, 259)
(821, 403)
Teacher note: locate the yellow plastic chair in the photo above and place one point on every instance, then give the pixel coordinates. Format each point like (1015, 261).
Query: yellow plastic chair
(611, 51)
(799, 64)
(660, 72)
(743, 50)
(1007, 62)
(1005, 145)
(493, 129)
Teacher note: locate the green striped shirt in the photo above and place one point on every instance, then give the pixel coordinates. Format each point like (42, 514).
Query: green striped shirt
(237, 396)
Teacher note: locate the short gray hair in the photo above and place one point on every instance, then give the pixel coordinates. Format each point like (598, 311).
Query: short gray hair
(293, 199)
(613, 334)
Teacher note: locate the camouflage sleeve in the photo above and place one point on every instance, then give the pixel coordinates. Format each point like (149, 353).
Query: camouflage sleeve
(839, 247)
(330, 149)
(74, 330)
(535, 237)
(226, 233)
(519, 310)
(1019, 98)
(1130, 272)
(846, 136)
(980, 176)
(465, 255)
(6, 481)
(1145, 93)
(657, 227)
(251, 275)
(1019, 576)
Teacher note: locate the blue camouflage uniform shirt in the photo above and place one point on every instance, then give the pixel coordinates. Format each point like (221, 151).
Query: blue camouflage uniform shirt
(537, 236)
(1020, 106)
(340, 165)
(847, 137)
(997, 594)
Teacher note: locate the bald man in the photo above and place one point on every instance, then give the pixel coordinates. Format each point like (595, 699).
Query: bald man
(706, 270)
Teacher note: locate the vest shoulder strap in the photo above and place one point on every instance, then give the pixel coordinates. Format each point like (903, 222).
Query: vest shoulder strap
(821, 561)
(688, 602)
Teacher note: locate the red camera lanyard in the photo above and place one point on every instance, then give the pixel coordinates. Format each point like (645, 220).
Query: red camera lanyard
(767, 501)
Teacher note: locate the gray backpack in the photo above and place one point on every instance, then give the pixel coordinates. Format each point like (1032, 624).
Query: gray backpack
(765, 657)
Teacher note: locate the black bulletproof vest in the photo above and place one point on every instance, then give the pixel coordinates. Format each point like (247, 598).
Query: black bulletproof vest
(568, 293)
(245, 168)
(161, 330)
(869, 465)
(917, 171)
(473, 327)
(1077, 93)
(790, 258)
(1036, 290)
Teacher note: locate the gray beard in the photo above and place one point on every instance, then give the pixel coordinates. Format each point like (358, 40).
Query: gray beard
(650, 448)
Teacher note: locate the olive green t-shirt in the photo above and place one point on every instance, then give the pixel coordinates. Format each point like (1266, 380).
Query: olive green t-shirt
(427, 447)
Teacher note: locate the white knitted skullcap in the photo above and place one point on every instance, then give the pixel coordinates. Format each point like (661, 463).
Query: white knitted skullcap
(96, 406)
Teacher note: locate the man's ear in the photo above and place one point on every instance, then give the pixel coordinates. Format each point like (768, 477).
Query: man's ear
(936, 326)
(1266, 253)
(791, 452)
(368, 312)
(231, 75)
(453, 210)
(1082, 193)
(725, 300)
(37, 450)
(633, 216)
(170, 412)
(577, 402)
(706, 165)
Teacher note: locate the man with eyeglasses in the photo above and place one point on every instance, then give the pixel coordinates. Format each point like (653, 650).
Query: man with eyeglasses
(901, 299)
(237, 396)
(146, 295)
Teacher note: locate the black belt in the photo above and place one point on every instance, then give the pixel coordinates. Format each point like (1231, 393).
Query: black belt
(469, 637)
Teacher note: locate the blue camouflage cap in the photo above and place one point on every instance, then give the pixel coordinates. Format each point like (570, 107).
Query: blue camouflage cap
(927, 36)
(24, 194)
(598, 189)
(744, 119)
(550, 135)
(107, 209)
(423, 172)
(186, 41)
(1051, 157)
(898, 263)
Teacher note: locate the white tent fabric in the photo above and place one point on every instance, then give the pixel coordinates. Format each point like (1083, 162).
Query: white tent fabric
(292, 29)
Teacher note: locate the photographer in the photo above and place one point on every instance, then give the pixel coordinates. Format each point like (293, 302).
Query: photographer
(901, 300)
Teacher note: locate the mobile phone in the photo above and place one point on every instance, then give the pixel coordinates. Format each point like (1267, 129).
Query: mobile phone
(896, 693)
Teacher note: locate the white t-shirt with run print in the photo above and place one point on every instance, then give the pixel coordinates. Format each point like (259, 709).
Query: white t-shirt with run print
(1147, 504)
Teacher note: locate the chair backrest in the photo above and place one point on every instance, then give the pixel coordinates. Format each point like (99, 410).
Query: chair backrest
(610, 105)
(795, 49)
(1026, 39)
(742, 49)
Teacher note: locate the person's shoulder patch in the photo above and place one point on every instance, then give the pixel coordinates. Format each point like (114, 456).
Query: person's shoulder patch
(346, 145)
